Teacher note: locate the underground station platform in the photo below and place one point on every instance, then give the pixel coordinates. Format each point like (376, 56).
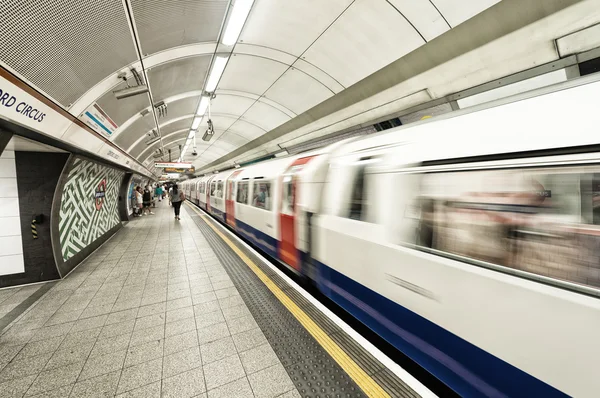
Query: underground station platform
(171, 308)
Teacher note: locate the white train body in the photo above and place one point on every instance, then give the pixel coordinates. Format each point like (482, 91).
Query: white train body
(471, 243)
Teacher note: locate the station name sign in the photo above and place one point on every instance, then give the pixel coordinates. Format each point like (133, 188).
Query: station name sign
(174, 165)
(10, 101)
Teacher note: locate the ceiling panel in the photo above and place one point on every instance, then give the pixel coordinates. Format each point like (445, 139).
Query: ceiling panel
(235, 138)
(424, 16)
(250, 74)
(65, 47)
(183, 124)
(178, 76)
(458, 11)
(265, 116)
(307, 91)
(247, 130)
(138, 128)
(163, 24)
(290, 26)
(231, 104)
(368, 36)
(121, 110)
(140, 149)
(183, 107)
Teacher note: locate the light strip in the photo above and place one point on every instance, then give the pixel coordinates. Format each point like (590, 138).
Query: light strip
(191, 134)
(196, 123)
(203, 106)
(215, 73)
(236, 22)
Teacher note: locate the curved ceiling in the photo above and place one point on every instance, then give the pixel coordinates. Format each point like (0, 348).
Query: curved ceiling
(290, 57)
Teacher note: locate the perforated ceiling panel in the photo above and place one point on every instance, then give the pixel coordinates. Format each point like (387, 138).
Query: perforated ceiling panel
(163, 24)
(121, 110)
(140, 127)
(178, 77)
(65, 47)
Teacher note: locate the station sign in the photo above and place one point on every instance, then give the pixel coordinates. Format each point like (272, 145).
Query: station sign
(177, 170)
(175, 165)
(98, 120)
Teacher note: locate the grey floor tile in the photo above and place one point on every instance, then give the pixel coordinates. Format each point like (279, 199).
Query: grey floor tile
(236, 311)
(270, 382)
(213, 332)
(52, 331)
(121, 316)
(236, 389)
(258, 358)
(181, 342)
(145, 335)
(103, 364)
(89, 323)
(140, 375)
(100, 387)
(151, 390)
(223, 372)
(181, 326)
(181, 361)
(231, 301)
(66, 356)
(117, 329)
(111, 344)
(204, 297)
(152, 309)
(241, 324)
(217, 350)
(249, 339)
(64, 317)
(24, 367)
(209, 318)
(40, 347)
(144, 352)
(60, 392)
(178, 294)
(209, 306)
(149, 321)
(184, 385)
(222, 284)
(290, 394)
(179, 314)
(97, 310)
(16, 387)
(55, 378)
(179, 303)
(8, 352)
(153, 299)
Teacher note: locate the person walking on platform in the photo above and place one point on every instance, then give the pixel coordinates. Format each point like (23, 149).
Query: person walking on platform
(139, 201)
(159, 192)
(147, 200)
(176, 197)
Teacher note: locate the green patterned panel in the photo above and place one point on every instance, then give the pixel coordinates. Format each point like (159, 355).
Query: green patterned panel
(89, 206)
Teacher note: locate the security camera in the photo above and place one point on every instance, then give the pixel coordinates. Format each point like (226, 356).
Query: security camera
(194, 153)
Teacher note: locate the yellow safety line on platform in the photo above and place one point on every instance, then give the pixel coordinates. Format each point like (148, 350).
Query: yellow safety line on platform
(362, 379)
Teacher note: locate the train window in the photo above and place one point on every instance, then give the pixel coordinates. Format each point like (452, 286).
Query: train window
(288, 199)
(213, 188)
(262, 195)
(202, 188)
(219, 189)
(357, 209)
(242, 192)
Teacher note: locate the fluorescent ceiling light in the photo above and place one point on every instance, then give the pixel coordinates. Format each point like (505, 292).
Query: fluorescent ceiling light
(196, 123)
(191, 135)
(216, 72)
(203, 106)
(236, 22)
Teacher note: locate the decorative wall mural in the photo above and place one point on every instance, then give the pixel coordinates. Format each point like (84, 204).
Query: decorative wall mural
(89, 205)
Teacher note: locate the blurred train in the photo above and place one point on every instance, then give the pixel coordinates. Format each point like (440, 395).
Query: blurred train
(470, 242)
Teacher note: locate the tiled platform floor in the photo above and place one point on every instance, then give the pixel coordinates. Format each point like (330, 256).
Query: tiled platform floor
(152, 313)
(12, 297)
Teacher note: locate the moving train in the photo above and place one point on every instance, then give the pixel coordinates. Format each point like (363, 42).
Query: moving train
(470, 242)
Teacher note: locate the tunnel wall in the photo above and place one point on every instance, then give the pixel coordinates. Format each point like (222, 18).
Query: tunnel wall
(86, 210)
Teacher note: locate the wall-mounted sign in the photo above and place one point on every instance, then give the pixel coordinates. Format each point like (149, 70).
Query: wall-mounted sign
(7, 100)
(97, 119)
(176, 165)
(100, 194)
(174, 170)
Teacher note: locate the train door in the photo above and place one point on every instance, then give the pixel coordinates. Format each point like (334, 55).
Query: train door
(288, 252)
(230, 199)
(208, 191)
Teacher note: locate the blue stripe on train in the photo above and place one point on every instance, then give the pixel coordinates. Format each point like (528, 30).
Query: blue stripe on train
(218, 213)
(266, 243)
(465, 368)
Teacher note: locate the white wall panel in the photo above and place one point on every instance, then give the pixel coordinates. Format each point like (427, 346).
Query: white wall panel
(11, 246)
(265, 116)
(250, 74)
(458, 11)
(424, 16)
(368, 36)
(231, 104)
(290, 26)
(247, 130)
(297, 91)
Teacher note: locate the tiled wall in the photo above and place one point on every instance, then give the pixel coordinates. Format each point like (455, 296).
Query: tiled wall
(11, 247)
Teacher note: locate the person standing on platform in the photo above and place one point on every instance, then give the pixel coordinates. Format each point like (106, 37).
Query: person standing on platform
(176, 197)
(139, 201)
(159, 192)
(147, 199)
